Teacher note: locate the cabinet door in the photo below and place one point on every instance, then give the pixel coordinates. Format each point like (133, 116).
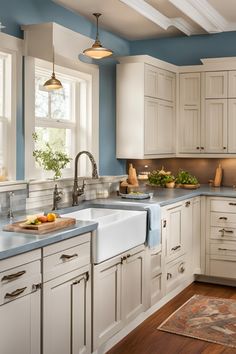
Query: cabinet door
(166, 85)
(134, 299)
(20, 325)
(66, 314)
(232, 84)
(174, 234)
(216, 84)
(187, 232)
(151, 77)
(106, 301)
(159, 127)
(231, 126)
(189, 129)
(215, 126)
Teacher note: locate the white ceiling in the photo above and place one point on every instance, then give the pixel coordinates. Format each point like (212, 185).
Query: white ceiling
(143, 19)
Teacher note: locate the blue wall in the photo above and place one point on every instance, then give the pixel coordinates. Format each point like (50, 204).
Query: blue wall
(15, 13)
(187, 50)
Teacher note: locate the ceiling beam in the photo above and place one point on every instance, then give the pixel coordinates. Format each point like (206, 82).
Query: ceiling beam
(201, 12)
(158, 18)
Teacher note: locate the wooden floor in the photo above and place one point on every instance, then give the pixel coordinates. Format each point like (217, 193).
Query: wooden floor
(146, 339)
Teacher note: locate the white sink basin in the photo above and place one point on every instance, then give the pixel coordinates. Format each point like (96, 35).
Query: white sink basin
(118, 230)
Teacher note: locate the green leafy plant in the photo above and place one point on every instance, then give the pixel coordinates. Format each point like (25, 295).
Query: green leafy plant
(50, 159)
(160, 177)
(184, 177)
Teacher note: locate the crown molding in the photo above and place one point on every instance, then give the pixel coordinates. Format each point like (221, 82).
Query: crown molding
(158, 18)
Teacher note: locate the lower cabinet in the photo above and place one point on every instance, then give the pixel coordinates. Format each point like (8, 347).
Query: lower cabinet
(120, 293)
(156, 264)
(20, 304)
(66, 314)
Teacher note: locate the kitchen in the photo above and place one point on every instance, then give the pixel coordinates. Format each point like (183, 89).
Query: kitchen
(163, 101)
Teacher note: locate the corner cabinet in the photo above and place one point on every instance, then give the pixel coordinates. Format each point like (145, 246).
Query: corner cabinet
(145, 111)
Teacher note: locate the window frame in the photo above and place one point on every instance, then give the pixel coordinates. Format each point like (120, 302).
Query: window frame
(88, 85)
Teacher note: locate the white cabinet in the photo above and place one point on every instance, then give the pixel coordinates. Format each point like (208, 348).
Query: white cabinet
(120, 293)
(145, 111)
(231, 125)
(66, 314)
(20, 304)
(159, 118)
(190, 113)
(215, 126)
(216, 84)
(67, 297)
(232, 84)
(221, 238)
(156, 277)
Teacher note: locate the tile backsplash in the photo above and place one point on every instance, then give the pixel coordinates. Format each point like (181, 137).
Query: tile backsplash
(202, 168)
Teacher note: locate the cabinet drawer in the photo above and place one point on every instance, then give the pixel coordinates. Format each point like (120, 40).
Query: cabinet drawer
(223, 233)
(175, 273)
(66, 261)
(223, 250)
(222, 268)
(223, 219)
(225, 205)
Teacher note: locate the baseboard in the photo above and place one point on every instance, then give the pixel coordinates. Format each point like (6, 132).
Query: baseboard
(142, 317)
(215, 280)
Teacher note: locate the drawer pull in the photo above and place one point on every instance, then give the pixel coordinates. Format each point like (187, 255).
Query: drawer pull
(181, 268)
(226, 231)
(223, 218)
(169, 276)
(67, 257)
(233, 204)
(13, 276)
(187, 204)
(123, 259)
(225, 249)
(175, 248)
(15, 293)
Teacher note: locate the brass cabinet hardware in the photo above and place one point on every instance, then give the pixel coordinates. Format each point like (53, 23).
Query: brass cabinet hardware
(198, 147)
(223, 218)
(66, 257)
(122, 259)
(226, 249)
(128, 255)
(164, 223)
(15, 293)
(13, 276)
(36, 287)
(168, 276)
(187, 204)
(202, 147)
(175, 248)
(233, 204)
(85, 277)
(226, 231)
(181, 268)
(224, 147)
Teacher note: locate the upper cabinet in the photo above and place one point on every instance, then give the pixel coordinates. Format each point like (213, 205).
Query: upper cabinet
(145, 111)
(216, 84)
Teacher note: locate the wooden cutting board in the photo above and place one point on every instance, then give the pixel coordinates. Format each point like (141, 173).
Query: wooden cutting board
(44, 228)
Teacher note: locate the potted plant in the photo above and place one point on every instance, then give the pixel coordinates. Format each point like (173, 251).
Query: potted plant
(160, 177)
(170, 181)
(186, 180)
(50, 159)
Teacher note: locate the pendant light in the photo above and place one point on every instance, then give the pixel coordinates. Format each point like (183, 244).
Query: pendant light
(97, 51)
(53, 83)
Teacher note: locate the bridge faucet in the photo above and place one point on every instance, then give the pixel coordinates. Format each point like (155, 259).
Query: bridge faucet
(78, 191)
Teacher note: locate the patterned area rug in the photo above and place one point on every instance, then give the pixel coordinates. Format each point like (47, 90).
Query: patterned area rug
(206, 318)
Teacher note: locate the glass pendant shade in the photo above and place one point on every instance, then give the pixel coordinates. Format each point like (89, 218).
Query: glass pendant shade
(97, 51)
(53, 83)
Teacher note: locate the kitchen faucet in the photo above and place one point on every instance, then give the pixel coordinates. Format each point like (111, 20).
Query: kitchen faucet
(78, 191)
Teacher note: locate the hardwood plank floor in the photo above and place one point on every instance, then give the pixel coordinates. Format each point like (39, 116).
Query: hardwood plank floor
(146, 339)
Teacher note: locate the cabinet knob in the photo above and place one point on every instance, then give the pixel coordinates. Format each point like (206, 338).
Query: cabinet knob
(198, 147)
(202, 148)
(168, 276)
(187, 204)
(181, 268)
(224, 147)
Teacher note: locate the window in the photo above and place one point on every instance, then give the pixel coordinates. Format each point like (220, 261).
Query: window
(55, 113)
(65, 118)
(5, 110)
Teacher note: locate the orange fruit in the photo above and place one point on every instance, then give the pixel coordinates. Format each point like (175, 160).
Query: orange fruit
(43, 218)
(51, 217)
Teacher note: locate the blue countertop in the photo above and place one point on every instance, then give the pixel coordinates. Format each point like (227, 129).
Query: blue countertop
(12, 243)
